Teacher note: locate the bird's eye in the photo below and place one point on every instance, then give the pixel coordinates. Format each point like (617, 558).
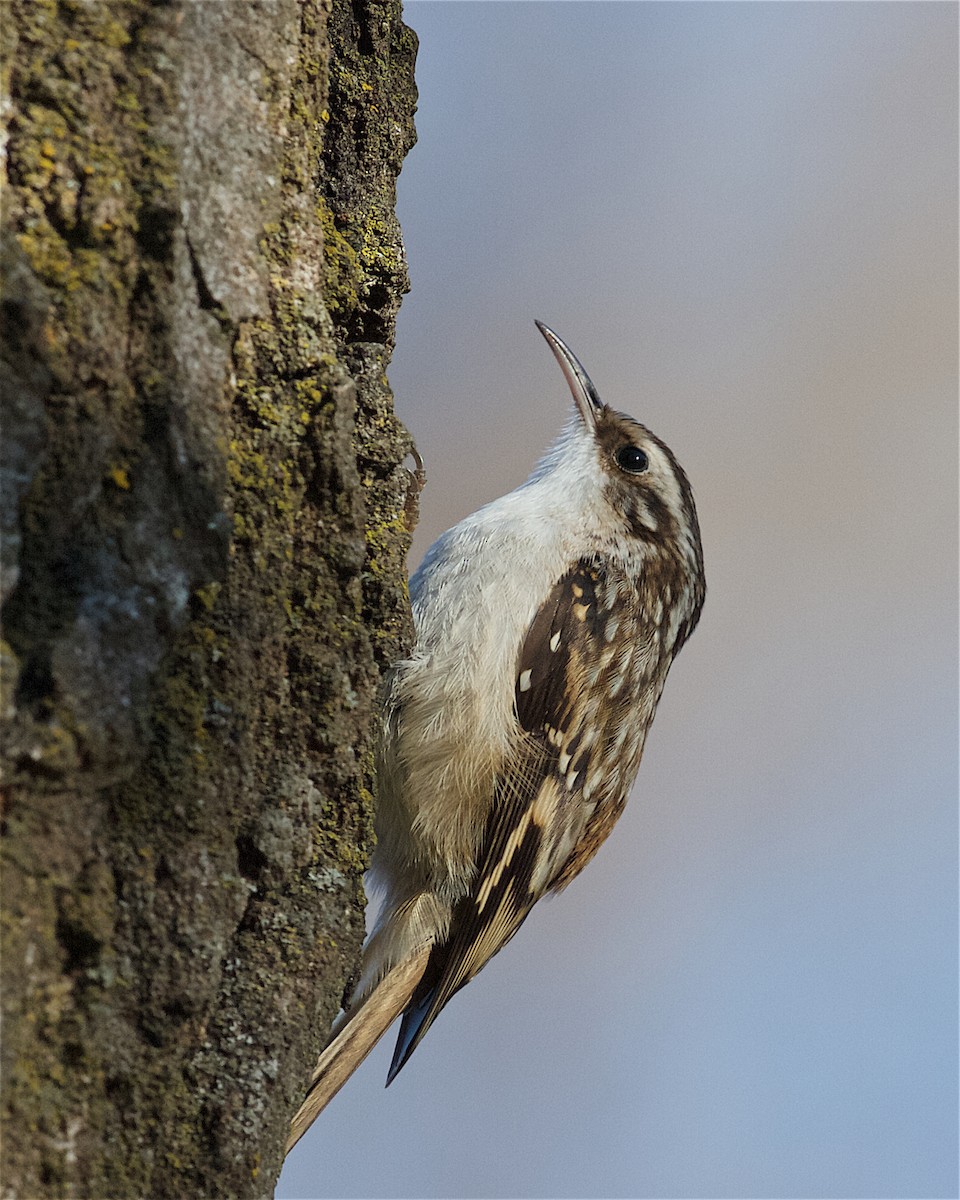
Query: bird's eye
(631, 459)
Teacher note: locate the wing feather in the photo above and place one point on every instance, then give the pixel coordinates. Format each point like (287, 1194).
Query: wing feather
(538, 813)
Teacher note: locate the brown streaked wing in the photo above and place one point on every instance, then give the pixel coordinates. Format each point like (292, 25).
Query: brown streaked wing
(563, 640)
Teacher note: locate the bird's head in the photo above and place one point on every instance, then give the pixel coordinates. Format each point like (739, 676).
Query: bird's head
(634, 477)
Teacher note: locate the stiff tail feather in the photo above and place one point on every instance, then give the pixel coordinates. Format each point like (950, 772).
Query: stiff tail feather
(358, 1035)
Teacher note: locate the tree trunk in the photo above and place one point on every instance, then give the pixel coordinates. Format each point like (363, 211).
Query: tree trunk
(204, 533)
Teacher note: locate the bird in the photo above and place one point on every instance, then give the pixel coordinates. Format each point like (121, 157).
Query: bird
(545, 623)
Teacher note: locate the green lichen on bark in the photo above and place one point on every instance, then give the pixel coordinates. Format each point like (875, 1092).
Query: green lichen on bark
(204, 547)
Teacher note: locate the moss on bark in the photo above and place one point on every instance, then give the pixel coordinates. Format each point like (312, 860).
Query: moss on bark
(203, 569)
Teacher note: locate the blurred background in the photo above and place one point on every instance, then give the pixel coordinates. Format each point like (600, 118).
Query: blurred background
(743, 219)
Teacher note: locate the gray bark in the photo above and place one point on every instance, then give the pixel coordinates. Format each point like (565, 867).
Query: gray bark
(203, 529)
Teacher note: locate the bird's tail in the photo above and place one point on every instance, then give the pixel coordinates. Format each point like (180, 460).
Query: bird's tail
(357, 1035)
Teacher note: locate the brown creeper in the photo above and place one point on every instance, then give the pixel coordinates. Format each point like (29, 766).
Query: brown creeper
(546, 624)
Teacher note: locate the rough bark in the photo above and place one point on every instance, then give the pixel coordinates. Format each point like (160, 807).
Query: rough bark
(203, 568)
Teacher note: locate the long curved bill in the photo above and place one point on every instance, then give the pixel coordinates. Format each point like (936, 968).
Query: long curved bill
(585, 394)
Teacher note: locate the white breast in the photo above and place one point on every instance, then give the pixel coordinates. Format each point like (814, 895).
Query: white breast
(474, 597)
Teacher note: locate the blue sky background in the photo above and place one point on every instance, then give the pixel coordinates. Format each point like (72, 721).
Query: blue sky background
(743, 219)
